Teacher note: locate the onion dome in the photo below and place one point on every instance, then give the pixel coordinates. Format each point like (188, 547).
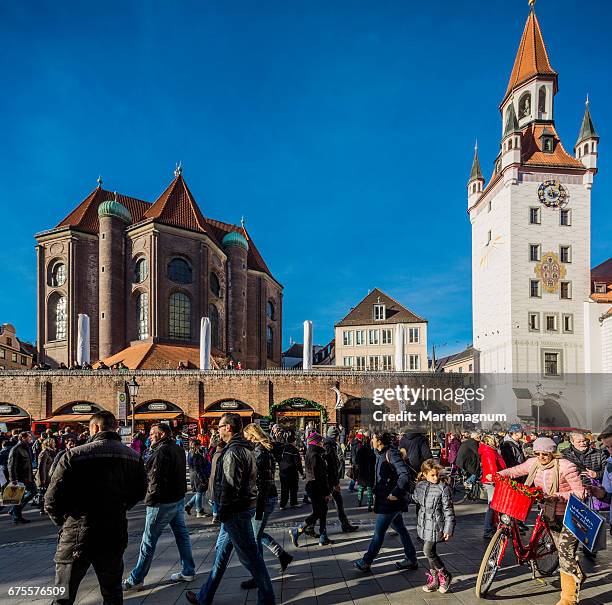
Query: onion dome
(114, 209)
(235, 238)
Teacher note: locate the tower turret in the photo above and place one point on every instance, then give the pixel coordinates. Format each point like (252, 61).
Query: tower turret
(586, 145)
(113, 218)
(511, 144)
(475, 185)
(236, 247)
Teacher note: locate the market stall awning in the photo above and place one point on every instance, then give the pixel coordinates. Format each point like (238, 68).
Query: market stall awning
(244, 413)
(156, 415)
(14, 418)
(67, 418)
(300, 413)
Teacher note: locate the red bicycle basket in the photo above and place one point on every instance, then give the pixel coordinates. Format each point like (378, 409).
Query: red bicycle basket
(510, 502)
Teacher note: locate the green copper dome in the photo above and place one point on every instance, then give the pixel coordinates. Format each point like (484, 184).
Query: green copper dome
(116, 209)
(234, 238)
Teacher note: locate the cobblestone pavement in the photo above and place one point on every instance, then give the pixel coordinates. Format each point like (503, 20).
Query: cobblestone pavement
(318, 575)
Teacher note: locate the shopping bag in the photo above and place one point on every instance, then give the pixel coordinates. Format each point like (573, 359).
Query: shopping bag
(13, 494)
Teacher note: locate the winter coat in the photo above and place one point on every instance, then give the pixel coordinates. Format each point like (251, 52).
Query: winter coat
(569, 480)
(166, 473)
(210, 493)
(56, 460)
(20, 463)
(317, 481)
(392, 478)
(266, 469)
(453, 449)
(366, 465)
(467, 457)
(416, 448)
(290, 464)
(235, 489)
(512, 452)
(92, 488)
(4, 456)
(199, 471)
(591, 459)
(436, 515)
(333, 459)
(490, 461)
(45, 462)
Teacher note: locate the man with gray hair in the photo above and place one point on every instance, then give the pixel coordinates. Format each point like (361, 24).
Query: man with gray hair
(590, 462)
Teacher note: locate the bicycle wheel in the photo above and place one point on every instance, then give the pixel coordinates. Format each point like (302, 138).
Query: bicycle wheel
(489, 565)
(547, 557)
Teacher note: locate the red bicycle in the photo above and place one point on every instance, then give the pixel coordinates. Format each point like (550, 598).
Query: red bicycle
(540, 553)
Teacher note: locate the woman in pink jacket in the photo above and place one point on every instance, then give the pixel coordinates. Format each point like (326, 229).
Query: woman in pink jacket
(558, 478)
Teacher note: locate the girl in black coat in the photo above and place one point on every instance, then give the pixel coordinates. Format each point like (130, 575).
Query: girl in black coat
(365, 460)
(199, 473)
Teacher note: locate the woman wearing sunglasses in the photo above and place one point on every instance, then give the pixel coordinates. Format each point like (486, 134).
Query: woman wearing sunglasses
(558, 478)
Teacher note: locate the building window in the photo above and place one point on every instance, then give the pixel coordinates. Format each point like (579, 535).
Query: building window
(565, 254)
(9, 342)
(179, 271)
(534, 322)
(58, 316)
(489, 206)
(58, 275)
(2, 353)
(414, 335)
(348, 362)
(142, 315)
(347, 338)
(374, 363)
(566, 290)
(387, 336)
(534, 252)
(215, 326)
(488, 237)
(141, 270)
(215, 284)
(373, 337)
(600, 288)
(551, 323)
(534, 288)
(568, 323)
(379, 313)
(179, 316)
(14, 357)
(360, 337)
(386, 363)
(470, 367)
(270, 311)
(23, 360)
(361, 363)
(534, 216)
(270, 342)
(565, 218)
(414, 362)
(551, 364)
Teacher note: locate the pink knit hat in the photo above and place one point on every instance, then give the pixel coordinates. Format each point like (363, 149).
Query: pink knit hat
(544, 444)
(314, 439)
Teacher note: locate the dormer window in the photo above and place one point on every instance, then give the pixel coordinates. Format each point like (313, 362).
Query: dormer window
(600, 288)
(547, 139)
(525, 106)
(379, 313)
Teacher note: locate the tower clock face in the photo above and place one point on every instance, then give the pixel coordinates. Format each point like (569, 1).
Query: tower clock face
(552, 194)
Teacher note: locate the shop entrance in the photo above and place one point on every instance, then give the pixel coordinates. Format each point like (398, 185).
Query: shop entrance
(152, 412)
(210, 418)
(75, 416)
(297, 413)
(13, 417)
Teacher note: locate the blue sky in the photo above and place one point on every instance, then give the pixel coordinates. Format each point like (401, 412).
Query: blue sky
(342, 130)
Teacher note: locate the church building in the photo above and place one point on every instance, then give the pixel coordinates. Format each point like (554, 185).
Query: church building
(145, 273)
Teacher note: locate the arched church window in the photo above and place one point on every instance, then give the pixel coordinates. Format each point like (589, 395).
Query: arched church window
(58, 275)
(542, 100)
(58, 317)
(270, 310)
(141, 270)
(215, 326)
(525, 106)
(215, 285)
(270, 342)
(179, 271)
(142, 315)
(179, 316)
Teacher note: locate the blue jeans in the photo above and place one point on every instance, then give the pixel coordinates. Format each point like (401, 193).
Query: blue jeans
(383, 522)
(196, 500)
(237, 532)
(264, 539)
(215, 508)
(157, 519)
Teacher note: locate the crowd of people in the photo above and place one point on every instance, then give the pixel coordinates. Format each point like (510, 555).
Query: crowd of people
(86, 483)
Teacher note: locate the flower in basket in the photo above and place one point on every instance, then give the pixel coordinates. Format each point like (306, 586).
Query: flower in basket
(517, 486)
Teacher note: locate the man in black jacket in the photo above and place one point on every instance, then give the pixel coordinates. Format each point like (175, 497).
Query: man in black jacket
(20, 471)
(92, 488)
(236, 497)
(334, 461)
(467, 457)
(511, 449)
(590, 462)
(415, 449)
(165, 500)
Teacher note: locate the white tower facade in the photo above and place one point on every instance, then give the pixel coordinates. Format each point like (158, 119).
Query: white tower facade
(531, 231)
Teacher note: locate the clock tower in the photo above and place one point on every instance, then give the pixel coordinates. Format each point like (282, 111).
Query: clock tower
(531, 231)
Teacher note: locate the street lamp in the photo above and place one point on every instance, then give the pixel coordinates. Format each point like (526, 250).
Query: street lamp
(133, 387)
(537, 399)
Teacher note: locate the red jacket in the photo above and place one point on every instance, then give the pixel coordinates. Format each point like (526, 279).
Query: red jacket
(490, 461)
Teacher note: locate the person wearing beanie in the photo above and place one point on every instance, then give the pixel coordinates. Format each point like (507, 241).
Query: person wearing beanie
(318, 490)
(334, 458)
(511, 448)
(559, 479)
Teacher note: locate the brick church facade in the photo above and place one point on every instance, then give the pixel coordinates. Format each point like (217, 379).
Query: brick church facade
(145, 274)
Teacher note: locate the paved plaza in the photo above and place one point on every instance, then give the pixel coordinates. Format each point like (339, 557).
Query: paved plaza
(319, 575)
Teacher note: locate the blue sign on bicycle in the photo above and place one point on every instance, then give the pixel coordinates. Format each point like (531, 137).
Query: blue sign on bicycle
(582, 521)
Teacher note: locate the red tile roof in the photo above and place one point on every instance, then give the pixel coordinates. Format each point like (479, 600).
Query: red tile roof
(85, 216)
(532, 154)
(531, 57)
(603, 272)
(176, 206)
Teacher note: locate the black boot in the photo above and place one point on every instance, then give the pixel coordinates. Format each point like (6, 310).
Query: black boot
(348, 527)
(284, 559)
